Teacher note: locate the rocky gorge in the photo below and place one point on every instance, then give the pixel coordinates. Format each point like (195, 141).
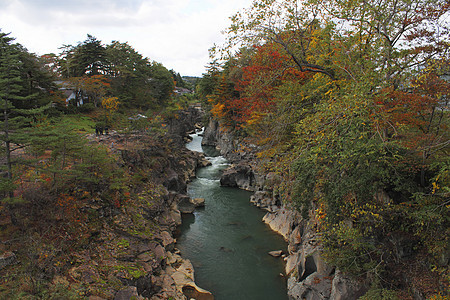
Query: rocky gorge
(309, 276)
(132, 252)
(167, 274)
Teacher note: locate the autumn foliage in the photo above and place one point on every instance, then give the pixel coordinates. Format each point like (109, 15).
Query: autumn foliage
(334, 97)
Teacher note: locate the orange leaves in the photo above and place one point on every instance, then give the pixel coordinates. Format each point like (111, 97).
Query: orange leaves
(245, 94)
(268, 68)
(92, 83)
(405, 107)
(65, 200)
(218, 110)
(92, 87)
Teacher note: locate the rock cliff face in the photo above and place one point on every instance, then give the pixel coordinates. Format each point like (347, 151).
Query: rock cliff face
(309, 277)
(168, 276)
(138, 245)
(184, 122)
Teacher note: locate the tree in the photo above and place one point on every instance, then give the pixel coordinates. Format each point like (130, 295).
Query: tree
(110, 105)
(288, 23)
(19, 85)
(135, 80)
(9, 89)
(179, 82)
(347, 39)
(72, 163)
(208, 82)
(161, 83)
(418, 116)
(87, 58)
(88, 89)
(395, 36)
(351, 99)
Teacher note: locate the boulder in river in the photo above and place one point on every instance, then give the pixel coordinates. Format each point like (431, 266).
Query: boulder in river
(185, 206)
(276, 253)
(198, 202)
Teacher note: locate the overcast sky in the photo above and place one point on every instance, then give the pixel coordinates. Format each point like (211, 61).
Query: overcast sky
(176, 33)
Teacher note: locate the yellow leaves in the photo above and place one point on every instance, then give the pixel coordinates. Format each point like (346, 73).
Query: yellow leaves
(365, 211)
(435, 184)
(255, 118)
(110, 103)
(435, 187)
(218, 110)
(320, 212)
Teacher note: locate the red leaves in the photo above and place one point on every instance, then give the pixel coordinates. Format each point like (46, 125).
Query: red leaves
(417, 113)
(267, 70)
(247, 92)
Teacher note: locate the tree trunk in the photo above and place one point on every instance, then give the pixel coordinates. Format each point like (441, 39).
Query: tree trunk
(7, 145)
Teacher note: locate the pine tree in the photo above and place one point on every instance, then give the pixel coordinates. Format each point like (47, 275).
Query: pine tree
(15, 101)
(10, 89)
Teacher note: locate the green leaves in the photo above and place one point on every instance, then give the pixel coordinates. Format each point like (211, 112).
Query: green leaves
(91, 68)
(350, 249)
(17, 105)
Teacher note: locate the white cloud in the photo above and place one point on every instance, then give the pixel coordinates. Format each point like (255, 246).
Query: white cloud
(177, 33)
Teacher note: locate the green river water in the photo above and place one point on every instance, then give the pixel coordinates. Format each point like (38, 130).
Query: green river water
(227, 242)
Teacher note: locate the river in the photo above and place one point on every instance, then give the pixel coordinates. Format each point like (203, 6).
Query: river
(227, 242)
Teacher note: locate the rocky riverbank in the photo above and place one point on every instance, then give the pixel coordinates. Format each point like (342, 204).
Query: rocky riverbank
(138, 245)
(118, 245)
(309, 277)
(168, 275)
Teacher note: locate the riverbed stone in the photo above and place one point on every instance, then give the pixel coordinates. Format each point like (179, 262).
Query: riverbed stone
(203, 163)
(145, 257)
(185, 205)
(173, 258)
(295, 238)
(263, 200)
(198, 202)
(276, 253)
(194, 292)
(291, 263)
(167, 240)
(175, 214)
(282, 221)
(160, 253)
(210, 134)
